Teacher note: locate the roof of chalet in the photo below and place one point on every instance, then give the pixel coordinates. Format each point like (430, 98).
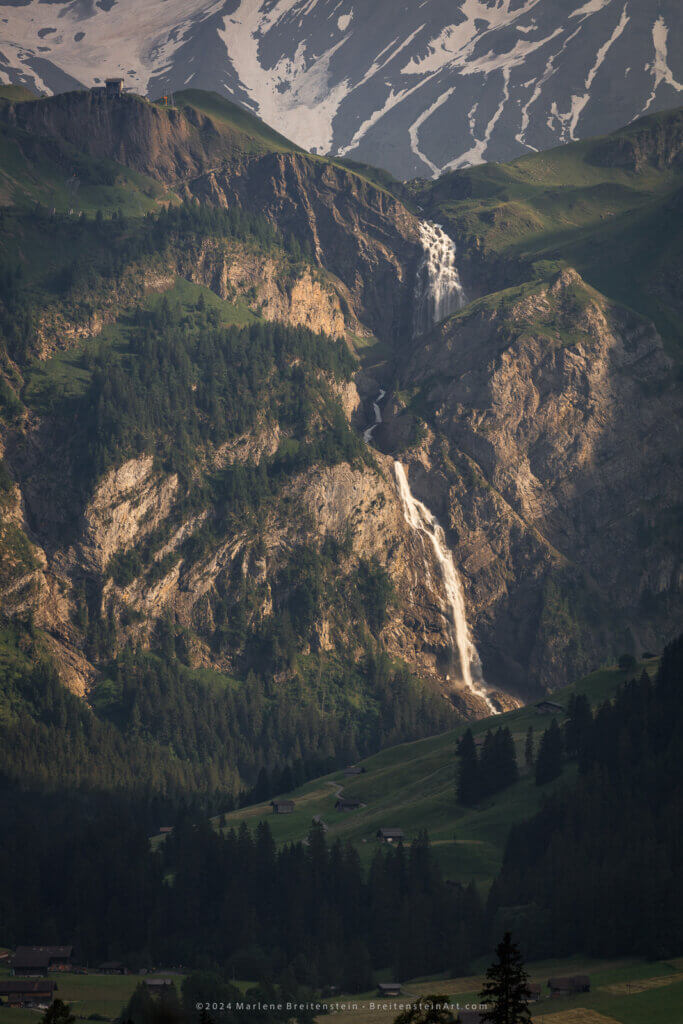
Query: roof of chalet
(569, 982)
(11, 987)
(53, 952)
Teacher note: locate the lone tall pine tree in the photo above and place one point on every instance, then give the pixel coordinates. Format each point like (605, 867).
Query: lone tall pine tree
(506, 992)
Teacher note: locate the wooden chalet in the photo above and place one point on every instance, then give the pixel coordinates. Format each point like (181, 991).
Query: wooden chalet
(282, 806)
(534, 992)
(112, 967)
(27, 994)
(354, 769)
(33, 961)
(570, 985)
(345, 803)
(548, 707)
(390, 835)
(389, 988)
(157, 984)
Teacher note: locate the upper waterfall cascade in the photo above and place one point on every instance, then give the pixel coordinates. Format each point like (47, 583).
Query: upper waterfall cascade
(438, 289)
(423, 522)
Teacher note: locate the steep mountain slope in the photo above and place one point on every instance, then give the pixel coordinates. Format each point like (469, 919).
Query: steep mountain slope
(431, 86)
(186, 381)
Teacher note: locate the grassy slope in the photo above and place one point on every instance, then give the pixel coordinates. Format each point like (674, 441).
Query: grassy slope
(86, 993)
(27, 180)
(224, 112)
(623, 991)
(16, 93)
(411, 786)
(618, 228)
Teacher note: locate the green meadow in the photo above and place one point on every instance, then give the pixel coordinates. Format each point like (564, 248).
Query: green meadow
(412, 787)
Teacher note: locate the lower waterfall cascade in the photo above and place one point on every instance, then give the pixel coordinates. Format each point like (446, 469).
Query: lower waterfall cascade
(438, 289)
(421, 520)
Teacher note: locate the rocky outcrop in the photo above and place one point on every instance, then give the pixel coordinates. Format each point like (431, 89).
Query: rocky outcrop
(357, 231)
(557, 474)
(649, 142)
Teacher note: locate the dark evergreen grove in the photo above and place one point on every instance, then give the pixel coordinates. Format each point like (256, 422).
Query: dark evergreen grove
(159, 731)
(225, 903)
(481, 774)
(598, 868)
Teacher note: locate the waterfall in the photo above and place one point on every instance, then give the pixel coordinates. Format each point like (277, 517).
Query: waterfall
(421, 520)
(367, 434)
(438, 291)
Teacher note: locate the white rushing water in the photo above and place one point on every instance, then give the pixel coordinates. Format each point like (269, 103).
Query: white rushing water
(367, 434)
(438, 289)
(421, 520)
(438, 292)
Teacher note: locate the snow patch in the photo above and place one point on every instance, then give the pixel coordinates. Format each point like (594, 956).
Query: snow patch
(661, 72)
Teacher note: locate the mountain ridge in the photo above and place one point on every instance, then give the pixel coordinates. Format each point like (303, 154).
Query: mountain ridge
(239, 237)
(454, 85)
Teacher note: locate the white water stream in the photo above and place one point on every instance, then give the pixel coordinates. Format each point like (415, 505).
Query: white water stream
(438, 293)
(421, 520)
(438, 289)
(367, 434)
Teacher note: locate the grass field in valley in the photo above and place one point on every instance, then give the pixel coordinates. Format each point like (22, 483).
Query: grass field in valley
(412, 787)
(622, 992)
(87, 994)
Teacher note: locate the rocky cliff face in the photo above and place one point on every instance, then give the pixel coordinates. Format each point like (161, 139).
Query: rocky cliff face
(537, 424)
(553, 444)
(359, 232)
(356, 230)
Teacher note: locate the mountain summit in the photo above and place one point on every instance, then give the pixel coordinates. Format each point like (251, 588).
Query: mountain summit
(430, 86)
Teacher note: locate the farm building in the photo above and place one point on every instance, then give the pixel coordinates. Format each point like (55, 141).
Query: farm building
(114, 87)
(389, 988)
(347, 804)
(534, 992)
(157, 984)
(112, 967)
(31, 961)
(548, 707)
(354, 769)
(390, 835)
(570, 985)
(31, 994)
(282, 806)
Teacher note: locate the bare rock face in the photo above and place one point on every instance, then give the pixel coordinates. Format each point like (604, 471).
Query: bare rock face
(554, 468)
(361, 234)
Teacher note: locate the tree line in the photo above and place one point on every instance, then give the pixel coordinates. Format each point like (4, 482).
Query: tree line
(598, 868)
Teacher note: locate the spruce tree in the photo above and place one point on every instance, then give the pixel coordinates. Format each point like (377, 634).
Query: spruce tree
(529, 748)
(58, 1012)
(549, 759)
(468, 772)
(506, 991)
